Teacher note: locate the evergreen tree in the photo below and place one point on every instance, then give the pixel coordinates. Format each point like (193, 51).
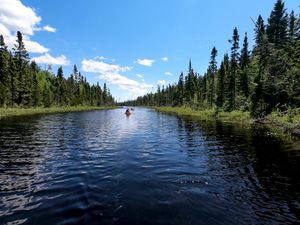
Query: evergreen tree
(4, 67)
(232, 75)
(35, 86)
(13, 81)
(60, 86)
(244, 65)
(259, 32)
(190, 86)
(220, 86)
(277, 24)
(181, 89)
(21, 60)
(212, 73)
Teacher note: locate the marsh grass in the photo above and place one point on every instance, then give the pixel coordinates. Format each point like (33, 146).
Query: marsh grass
(9, 112)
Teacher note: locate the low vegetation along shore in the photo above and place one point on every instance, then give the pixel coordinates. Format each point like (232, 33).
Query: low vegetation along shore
(288, 123)
(9, 112)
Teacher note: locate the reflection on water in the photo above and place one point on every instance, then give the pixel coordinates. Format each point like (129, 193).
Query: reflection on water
(102, 167)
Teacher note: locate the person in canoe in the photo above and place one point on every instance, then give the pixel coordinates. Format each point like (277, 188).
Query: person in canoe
(127, 112)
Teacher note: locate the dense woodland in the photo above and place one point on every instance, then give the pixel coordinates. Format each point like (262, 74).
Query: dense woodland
(262, 80)
(24, 84)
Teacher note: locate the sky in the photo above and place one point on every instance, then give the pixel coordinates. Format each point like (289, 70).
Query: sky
(132, 45)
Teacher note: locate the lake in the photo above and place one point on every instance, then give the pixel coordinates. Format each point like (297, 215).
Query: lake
(103, 167)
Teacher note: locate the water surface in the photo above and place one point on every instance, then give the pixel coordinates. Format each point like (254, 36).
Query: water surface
(102, 167)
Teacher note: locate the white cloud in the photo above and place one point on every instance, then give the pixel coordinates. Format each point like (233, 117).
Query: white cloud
(162, 82)
(145, 62)
(168, 73)
(49, 28)
(14, 16)
(48, 59)
(140, 75)
(35, 47)
(164, 59)
(111, 73)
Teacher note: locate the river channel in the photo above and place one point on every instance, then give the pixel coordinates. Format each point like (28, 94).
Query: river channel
(103, 167)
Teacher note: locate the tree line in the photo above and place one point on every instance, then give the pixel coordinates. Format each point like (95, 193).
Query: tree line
(24, 84)
(262, 80)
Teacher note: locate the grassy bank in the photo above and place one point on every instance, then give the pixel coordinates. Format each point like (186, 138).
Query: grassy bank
(9, 112)
(288, 123)
(209, 114)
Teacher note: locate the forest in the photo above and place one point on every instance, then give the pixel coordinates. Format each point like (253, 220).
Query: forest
(261, 80)
(24, 84)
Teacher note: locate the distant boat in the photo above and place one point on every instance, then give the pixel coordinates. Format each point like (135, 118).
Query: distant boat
(127, 112)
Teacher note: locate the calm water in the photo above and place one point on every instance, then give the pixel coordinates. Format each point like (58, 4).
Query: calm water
(102, 167)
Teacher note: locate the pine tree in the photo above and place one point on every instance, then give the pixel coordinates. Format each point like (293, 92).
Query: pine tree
(190, 86)
(244, 65)
(21, 60)
(181, 89)
(212, 71)
(60, 86)
(35, 86)
(232, 75)
(259, 32)
(277, 24)
(13, 81)
(4, 67)
(220, 86)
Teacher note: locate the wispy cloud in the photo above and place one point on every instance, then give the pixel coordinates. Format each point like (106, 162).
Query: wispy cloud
(112, 74)
(145, 62)
(161, 82)
(140, 75)
(49, 28)
(48, 59)
(14, 16)
(164, 59)
(168, 73)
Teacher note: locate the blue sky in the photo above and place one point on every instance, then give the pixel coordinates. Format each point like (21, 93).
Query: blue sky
(132, 45)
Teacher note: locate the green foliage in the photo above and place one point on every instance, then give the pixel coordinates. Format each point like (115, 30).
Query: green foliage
(24, 84)
(260, 81)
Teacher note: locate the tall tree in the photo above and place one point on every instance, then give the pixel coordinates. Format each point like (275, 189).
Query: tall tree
(21, 61)
(259, 32)
(277, 24)
(220, 86)
(244, 64)
(4, 67)
(212, 73)
(233, 69)
(181, 89)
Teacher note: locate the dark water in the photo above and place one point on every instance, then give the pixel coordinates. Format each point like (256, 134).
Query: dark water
(102, 167)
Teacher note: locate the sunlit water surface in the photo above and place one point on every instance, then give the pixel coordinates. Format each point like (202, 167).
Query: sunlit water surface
(102, 167)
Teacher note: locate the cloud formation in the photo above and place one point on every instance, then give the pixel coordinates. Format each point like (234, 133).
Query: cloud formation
(164, 59)
(112, 74)
(168, 73)
(145, 62)
(50, 60)
(14, 16)
(162, 82)
(49, 28)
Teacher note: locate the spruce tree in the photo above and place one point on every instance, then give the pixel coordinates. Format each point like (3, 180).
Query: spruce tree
(232, 75)
(21, 61)
(211, 74)
(244, 65)
(220, 86)
(4, 67)
(277, 24)
(181, 89)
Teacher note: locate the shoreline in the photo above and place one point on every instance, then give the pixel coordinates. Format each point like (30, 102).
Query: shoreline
(287, 124)
(13, 112)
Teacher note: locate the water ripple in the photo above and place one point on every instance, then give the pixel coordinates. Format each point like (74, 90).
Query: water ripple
(102, 167)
